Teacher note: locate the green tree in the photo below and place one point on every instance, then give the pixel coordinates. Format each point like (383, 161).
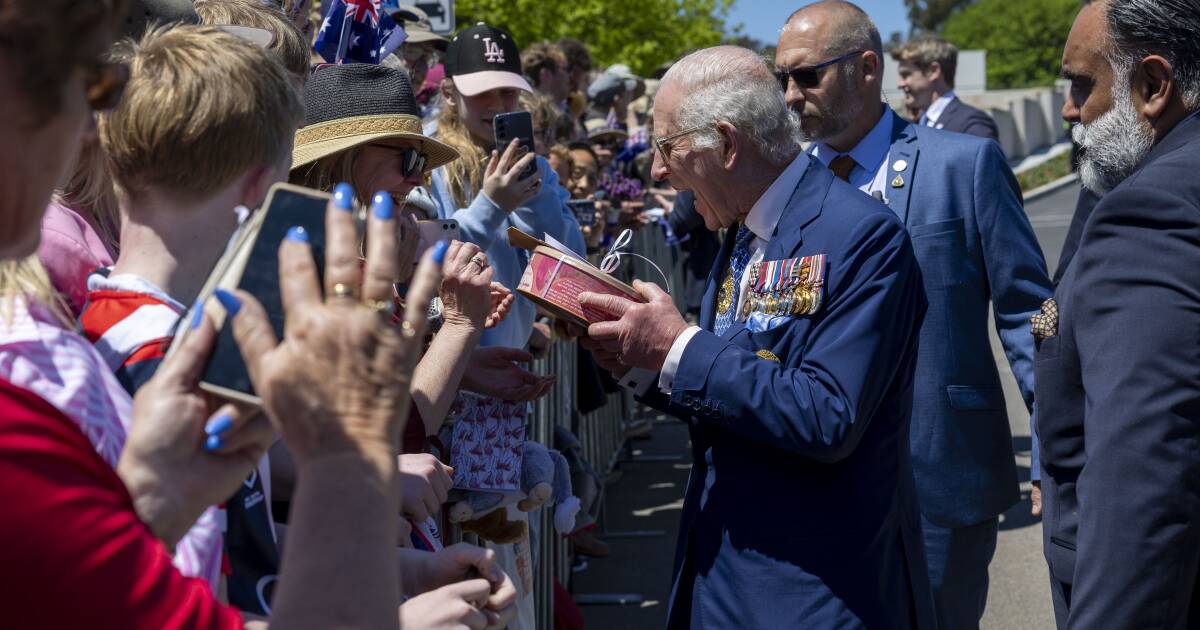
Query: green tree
(928, 15)
(641, 33)
(1024, 38)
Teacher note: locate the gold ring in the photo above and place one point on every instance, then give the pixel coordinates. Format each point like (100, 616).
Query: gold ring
(478, 260)
(343, 290)
(407, 329)
(386, 307)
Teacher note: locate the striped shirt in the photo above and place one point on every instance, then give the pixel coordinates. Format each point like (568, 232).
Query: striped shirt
(131, 323)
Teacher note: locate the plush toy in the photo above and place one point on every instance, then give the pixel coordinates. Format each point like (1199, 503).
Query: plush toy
(538, 472)
(566, 503)
(496, 527)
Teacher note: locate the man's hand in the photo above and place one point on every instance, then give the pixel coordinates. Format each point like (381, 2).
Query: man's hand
(1035, 497)
(424, 482)
(642, 336)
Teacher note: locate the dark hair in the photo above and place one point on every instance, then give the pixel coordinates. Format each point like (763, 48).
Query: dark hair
(43, 41)
(579, 145)
(1170, 28)
(576, 53)
(541, 56)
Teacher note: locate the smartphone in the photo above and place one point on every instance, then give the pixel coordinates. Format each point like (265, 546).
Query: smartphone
(286, 206)
(515, 126)
(585, 211)
(433, 231)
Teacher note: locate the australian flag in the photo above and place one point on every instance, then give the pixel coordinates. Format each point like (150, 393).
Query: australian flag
(358, 31)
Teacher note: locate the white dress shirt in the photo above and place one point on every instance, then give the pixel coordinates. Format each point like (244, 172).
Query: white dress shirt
(761, 221)
(936, 108)
(870, 156)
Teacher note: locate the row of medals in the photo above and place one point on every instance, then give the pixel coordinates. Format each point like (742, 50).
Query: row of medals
(794, 300)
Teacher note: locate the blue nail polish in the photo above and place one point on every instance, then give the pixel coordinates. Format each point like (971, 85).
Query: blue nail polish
(213, 443)
(439, 251)
(228, 300)
(343, 197)
(219, 424)
(382, 208)
(197, 314)
(298, 234)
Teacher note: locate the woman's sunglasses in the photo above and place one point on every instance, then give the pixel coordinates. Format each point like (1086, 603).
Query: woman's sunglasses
(810, 77)
(412, 160)
(105, 82)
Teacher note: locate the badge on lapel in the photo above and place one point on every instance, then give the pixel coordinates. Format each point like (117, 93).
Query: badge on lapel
(790, 287)
(1044, 325)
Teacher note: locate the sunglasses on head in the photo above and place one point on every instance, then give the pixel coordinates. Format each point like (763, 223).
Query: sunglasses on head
(809, 77)
(105, 82)
(412, 160)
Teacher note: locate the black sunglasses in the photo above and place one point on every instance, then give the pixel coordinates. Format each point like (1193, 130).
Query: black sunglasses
(105, 82)
(412, 160)
(809, 77)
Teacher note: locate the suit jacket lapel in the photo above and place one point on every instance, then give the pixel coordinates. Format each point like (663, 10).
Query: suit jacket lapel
(903, 153)
(803, 207)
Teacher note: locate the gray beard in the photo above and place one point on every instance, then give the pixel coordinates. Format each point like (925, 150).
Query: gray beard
(1113, 146)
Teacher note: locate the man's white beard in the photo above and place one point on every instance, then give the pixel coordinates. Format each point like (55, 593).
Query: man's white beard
(1114, 145)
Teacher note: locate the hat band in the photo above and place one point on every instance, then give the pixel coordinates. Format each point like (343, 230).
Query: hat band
(358, 126)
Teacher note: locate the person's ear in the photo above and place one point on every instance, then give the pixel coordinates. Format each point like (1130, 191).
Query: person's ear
(1153, 86)
(872, 67)
(255, 184)
(934, 72)
(447, 88)
(729, 148)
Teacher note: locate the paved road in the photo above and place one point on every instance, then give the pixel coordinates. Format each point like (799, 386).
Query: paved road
(648, 497)
(1019, 598)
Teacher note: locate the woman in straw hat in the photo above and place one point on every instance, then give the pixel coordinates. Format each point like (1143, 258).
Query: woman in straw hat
(362, 127)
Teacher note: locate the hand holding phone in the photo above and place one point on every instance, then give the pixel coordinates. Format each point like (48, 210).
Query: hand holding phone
(515, 126)
(503, 183)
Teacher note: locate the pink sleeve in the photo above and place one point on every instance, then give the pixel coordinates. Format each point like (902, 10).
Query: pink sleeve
(66, 254)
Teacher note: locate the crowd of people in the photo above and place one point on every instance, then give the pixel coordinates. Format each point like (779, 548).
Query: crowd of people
(852, 452)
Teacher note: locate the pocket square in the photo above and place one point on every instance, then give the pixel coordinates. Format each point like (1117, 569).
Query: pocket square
(1045, 324)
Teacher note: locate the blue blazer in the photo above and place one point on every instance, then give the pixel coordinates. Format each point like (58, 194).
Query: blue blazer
(962, 207)
(962, 118)
(1119, 399)
(800, 510)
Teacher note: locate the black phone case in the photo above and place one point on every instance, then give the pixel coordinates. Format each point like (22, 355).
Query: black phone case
(515, 126)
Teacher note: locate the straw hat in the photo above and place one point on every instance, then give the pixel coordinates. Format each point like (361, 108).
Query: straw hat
(356, 103)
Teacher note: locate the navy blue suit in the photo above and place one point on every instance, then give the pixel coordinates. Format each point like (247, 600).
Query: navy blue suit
(1118, 390)
(962, 118)
(800, 510)
(977, 250)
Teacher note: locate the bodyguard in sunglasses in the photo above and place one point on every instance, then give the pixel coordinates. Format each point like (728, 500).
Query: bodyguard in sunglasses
(962, 207)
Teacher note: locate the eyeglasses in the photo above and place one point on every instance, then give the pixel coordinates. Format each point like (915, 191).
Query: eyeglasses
(105, 82)
(664, 144)
(810, 77)
(412, 160)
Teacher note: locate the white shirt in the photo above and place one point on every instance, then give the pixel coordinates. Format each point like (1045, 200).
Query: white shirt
(761, 221)
(870, 155)
(937, 107)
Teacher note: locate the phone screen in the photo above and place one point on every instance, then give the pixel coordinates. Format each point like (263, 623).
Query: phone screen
(515, 126)
(286, 208)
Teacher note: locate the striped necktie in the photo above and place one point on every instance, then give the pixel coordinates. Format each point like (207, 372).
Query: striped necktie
(727, 296)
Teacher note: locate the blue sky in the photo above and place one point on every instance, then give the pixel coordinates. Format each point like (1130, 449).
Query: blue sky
(761, 19)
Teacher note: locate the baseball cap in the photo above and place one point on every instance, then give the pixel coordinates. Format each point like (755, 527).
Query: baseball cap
(605, 88)
(417, 25)
(483, 58)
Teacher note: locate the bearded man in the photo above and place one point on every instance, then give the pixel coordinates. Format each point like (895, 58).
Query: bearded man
(1118, 360)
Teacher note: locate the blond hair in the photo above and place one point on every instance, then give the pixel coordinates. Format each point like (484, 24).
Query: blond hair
(27, 279)
(202, 107)
(925, 51)
(464, 176)
(541, 108)
(89, 191)
(326, 172)
(286, 40)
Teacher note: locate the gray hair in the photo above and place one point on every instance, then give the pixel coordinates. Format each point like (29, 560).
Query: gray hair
(1170, 28)
(733, 84)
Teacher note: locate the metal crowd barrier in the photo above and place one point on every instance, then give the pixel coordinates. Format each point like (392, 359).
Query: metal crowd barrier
(600, 433)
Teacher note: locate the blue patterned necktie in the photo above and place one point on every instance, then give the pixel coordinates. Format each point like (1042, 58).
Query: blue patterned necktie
(727, 295)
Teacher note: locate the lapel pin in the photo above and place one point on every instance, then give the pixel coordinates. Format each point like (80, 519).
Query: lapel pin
(899, 166)
(898, 182)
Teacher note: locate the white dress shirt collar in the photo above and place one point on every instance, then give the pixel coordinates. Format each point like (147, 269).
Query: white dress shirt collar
(765, 213)
(937, 107)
